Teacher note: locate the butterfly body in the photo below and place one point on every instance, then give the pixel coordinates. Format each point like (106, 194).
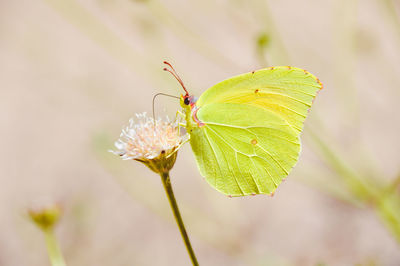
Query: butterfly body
(245, 131)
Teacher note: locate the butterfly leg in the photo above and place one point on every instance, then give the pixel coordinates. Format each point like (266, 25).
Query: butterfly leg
(179, 113)
(179, 116)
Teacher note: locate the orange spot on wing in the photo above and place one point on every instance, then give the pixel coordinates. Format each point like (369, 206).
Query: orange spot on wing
(320, 83)
(253, 141)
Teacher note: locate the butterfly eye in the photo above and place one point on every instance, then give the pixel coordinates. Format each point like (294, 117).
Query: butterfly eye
(186, 101)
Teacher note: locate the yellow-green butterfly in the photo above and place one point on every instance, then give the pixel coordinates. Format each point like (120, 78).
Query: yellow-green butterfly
(245, 131)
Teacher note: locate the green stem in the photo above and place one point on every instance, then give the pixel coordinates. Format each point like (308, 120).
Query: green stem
(53, 249)
(170, 194)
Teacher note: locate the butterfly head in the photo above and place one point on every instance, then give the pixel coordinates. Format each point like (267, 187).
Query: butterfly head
(188, 100)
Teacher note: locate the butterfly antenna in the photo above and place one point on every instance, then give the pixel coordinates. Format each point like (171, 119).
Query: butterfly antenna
(173, 72)
(155, 96)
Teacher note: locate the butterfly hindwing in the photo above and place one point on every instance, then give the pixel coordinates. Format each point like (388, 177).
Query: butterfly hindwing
(243, 154)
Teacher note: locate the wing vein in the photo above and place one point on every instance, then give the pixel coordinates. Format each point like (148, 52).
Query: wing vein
(235, 151)
(283, 88)
(273, 158)
(281, 94)
(216, 158)
(238, 166)
(273, 180)
(234, 177)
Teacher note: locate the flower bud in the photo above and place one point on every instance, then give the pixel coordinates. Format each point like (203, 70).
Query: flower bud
(45, 217)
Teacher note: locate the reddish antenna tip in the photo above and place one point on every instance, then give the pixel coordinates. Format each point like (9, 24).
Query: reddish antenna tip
(176, 76)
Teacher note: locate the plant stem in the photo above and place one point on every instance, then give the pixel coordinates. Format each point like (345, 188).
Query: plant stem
(53, 249)
(170, 194)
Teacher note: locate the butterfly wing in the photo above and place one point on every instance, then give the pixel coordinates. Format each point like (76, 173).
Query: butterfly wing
(250, 138)
(286, 91)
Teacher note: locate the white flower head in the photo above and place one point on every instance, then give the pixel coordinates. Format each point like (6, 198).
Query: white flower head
(146, 139)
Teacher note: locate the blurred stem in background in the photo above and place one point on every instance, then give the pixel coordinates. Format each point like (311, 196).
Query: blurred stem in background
(103, 36)
(187, 35)
(390, 7)
(270, 39)
(262, 44)
(345, 56)
(46, 219)
(53, 248)
(383, 199)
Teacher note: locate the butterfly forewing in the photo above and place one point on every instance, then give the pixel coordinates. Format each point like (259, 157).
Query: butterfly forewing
(288, 92)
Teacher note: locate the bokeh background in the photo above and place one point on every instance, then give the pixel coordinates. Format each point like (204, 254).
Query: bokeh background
(73, 72)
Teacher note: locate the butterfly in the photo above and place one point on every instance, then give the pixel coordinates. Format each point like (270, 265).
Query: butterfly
(245, 130)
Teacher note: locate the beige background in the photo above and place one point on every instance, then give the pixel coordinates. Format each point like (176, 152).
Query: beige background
(73, 72)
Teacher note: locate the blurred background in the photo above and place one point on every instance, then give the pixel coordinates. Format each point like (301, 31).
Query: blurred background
(73, 72)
